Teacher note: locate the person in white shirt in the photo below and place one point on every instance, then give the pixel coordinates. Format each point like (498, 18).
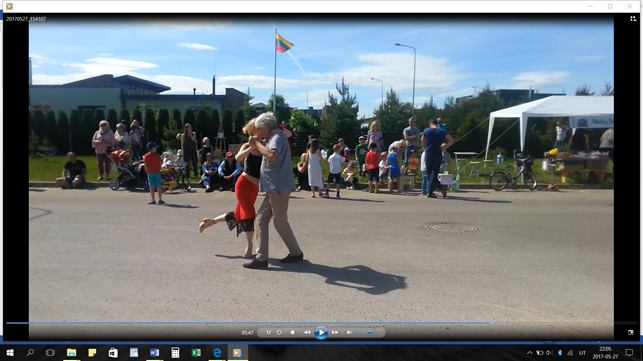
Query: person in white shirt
(560, 135)
(335, 163)
(383, 166)
(607, 143)
(425, 176)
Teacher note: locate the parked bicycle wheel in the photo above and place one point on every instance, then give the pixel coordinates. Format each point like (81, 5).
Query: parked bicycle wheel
(498, 181)
(530, 181)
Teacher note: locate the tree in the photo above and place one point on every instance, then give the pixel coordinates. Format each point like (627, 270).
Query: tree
(393, 116)
(125, 117)
(425, 113)
(608, 89)
(339, 117)
(304, 124)
(584, 90)
(75, 131)
(51, 134)
(87, 129)
(34, 140)
(282, 111)
(189, 117)
(99, 115)
(163, 121)
(169, 140)
(138, 116)
(151, 129)
(227, 126)
(62, 130)
(202, 120)
(176, 115)
(38, 123)
(239, 123)
(213, 128)
(248, 111)
(112, 118)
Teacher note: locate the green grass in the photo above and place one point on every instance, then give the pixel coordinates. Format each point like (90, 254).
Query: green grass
(50, 168)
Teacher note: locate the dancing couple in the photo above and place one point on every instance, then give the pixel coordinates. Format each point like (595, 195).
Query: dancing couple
(269, 166)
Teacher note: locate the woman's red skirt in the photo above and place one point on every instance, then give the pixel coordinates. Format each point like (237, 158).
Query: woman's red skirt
(246, 193)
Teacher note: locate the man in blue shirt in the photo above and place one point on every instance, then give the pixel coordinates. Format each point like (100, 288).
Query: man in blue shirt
(229, 170)
(435, 141)
(210, 170)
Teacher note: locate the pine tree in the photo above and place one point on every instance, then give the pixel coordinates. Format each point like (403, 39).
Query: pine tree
(62, 130)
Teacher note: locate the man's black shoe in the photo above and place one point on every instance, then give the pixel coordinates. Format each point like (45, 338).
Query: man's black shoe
(432, 195)
(292, 259)
(209, 190)
(256, 264)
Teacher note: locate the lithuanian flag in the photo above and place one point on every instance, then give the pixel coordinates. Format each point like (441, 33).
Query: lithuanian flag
(281, 44)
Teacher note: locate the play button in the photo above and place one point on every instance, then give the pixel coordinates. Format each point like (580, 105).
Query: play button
(321, 332)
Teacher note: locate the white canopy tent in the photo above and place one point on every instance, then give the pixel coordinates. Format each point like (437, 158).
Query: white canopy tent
(582, 111)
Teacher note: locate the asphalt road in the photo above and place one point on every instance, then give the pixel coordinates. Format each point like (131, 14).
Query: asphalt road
(533, 263)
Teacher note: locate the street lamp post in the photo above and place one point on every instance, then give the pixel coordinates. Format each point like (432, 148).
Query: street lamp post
(382, 84)
(414, 58)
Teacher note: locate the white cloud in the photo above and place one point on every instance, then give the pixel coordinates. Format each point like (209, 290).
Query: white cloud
(106, 65)
(316, 98)
(540, 78)
(591, 58)
(197, 46)
(105, 55)
(38, 60)
(396, 70)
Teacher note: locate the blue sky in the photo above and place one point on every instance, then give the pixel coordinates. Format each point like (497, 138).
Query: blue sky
(452, 56)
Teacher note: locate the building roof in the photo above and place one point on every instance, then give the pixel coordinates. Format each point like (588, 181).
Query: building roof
(177, 97)
(109, 81)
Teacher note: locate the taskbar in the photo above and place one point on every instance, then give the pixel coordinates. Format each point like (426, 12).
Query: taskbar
(269, 352)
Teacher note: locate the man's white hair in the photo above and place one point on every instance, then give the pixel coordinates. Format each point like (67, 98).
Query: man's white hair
(266, 120)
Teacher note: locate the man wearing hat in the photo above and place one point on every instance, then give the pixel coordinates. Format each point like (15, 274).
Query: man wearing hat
(229, 170)
(360, 154)
(412, 137)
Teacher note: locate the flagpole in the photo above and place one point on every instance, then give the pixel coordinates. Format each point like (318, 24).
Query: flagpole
(274, 89)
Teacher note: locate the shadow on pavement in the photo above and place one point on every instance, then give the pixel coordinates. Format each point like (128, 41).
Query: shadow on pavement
(36, 189)
(358, 277)
(474, 199)
(44, 213)
(355, 200)
(188, 206)
(235, 257)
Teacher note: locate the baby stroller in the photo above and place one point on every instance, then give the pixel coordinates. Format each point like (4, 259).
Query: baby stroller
(130, 174)
(173, 171)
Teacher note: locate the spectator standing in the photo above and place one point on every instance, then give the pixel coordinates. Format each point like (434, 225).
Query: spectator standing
(360, 154)
(335, 162)
(372, 167)
(375, 136)
(102, 142)
(315, 179)
(412, 137)
(153, 163)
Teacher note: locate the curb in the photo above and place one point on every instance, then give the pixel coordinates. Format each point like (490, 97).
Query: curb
(541, 187)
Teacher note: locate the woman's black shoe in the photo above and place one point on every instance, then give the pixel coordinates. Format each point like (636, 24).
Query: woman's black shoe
(256, 264)
(292, 259)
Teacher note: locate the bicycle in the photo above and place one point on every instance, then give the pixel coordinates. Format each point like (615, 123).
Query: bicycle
(499, 180)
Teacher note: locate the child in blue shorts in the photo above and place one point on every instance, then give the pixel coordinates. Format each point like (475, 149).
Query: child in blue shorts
(153, 163)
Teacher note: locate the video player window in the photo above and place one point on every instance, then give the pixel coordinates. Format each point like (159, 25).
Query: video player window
(319, 177)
